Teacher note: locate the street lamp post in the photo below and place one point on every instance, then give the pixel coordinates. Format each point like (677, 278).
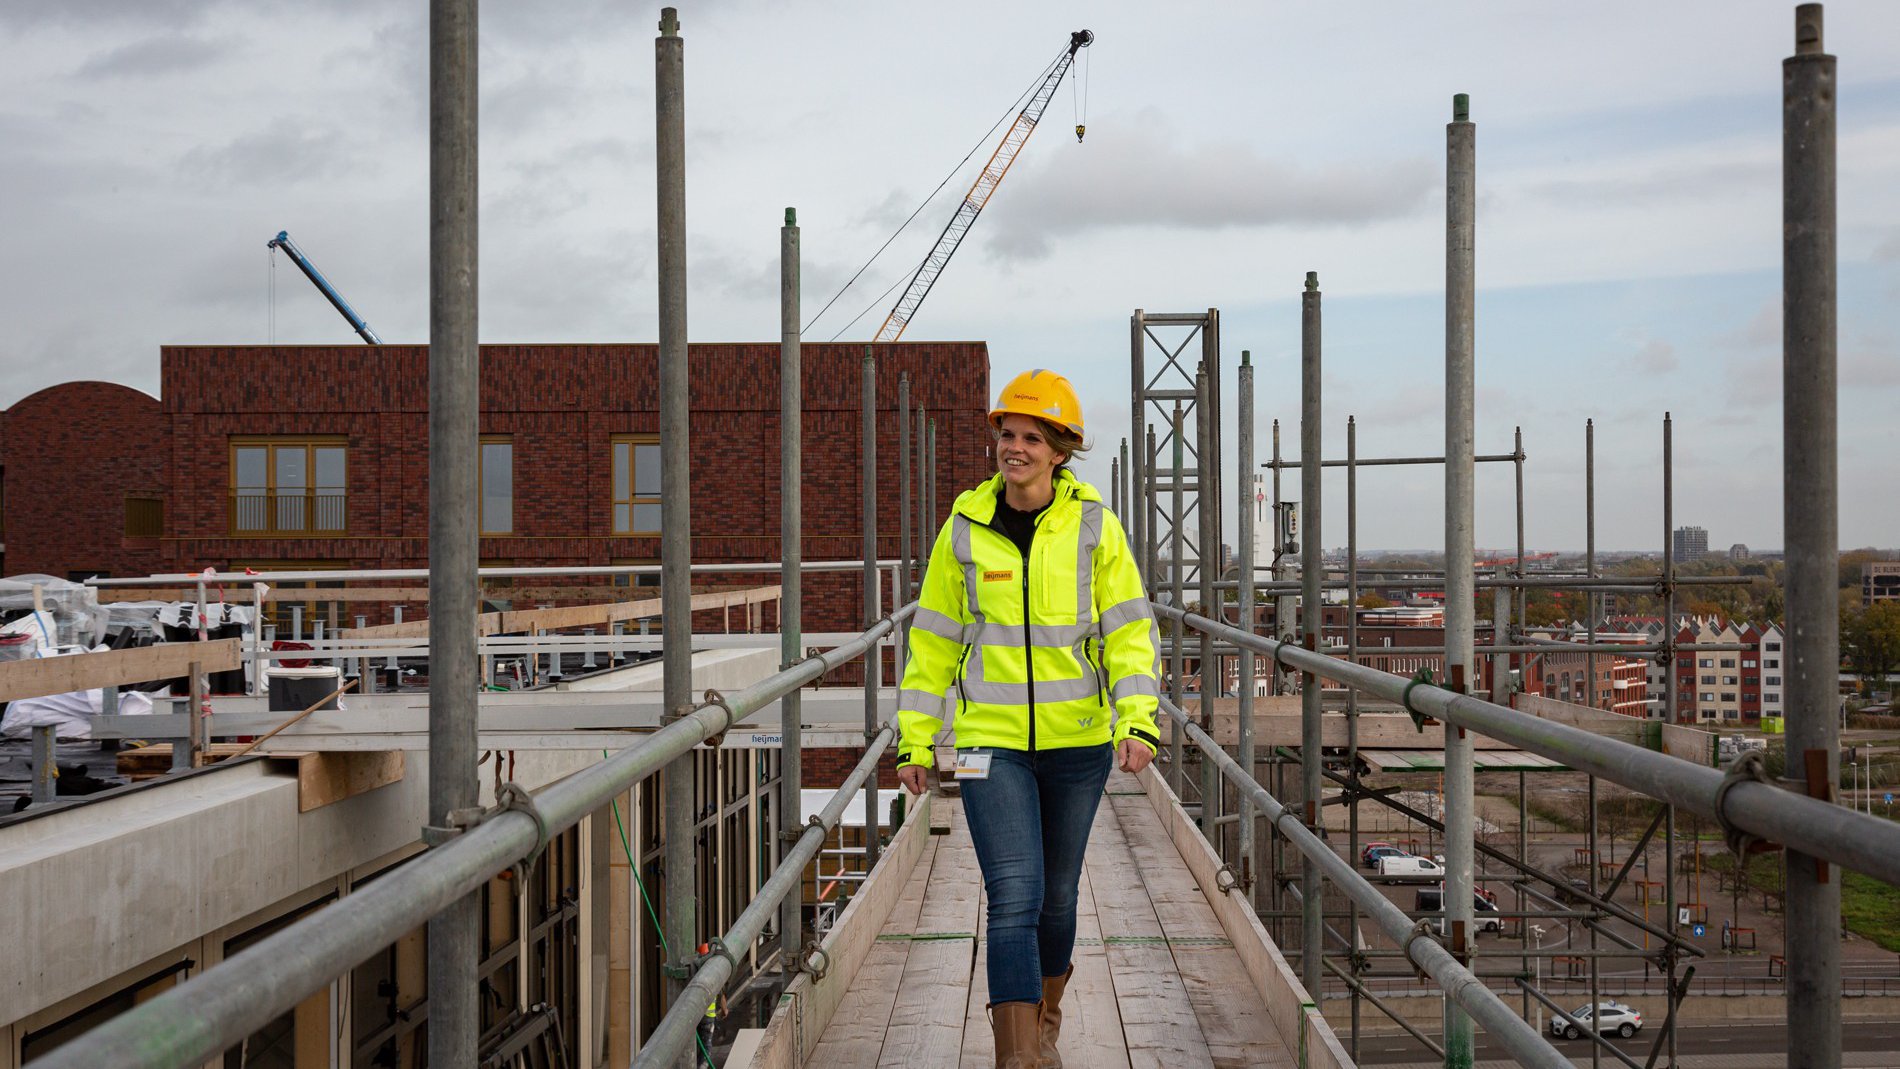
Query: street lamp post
(1537, 977)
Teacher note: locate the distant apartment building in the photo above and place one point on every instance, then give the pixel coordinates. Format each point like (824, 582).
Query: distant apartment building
(1879, 581)
(1728, 686)
(1690, 543)
(1739, 551)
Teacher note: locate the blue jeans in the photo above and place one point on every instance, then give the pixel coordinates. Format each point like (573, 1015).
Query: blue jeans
(1030, 822)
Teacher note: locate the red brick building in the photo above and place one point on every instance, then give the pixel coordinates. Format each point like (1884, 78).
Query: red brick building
(316, 457)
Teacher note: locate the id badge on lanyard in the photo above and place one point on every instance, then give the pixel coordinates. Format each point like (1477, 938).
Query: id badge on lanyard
(972, 764)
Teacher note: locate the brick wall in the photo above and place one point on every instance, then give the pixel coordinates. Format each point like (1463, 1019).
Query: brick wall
(71, 455)
(561, 404)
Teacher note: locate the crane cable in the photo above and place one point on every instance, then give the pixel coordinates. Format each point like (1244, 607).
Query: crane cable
(1079, 91)
(1014, 109)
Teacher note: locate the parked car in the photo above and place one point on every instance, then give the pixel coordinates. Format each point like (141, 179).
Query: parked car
(1407, 865)
(1365, 852)
(1374, 854)
(1484, 908)
(1614, 1017)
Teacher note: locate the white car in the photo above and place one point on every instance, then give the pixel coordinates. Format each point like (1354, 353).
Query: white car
(1615, 1017)
(1406, 865)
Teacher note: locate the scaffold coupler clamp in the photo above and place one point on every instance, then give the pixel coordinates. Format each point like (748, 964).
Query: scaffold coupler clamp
(1421, 930)
(716, 948)
(513, 797)
(1226, 879)
(718, 700)
(815, 968)
(459, 821)
(1747, 768)
(1419, 719)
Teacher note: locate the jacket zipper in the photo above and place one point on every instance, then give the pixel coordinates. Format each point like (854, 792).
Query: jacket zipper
(1029, 656)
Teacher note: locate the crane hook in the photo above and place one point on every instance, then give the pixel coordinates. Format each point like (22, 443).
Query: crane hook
(1080, 129)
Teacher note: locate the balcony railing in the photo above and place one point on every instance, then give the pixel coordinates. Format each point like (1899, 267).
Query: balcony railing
(289, 512)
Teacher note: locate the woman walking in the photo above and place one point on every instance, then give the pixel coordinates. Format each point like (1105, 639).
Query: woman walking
(1034, 632)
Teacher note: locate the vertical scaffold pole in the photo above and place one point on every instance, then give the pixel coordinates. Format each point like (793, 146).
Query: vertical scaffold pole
(1460, 590)
(926, 521)
(676, 546)
(1312, 627)
(1811, 522)
(1245, 499)
(1206, 494)
(1352, 694)
(903, 491)
(1283, 601)
(1148, 507)
(791, 549)
(1175, 638)
(873, 657)
(1145, 461)
(454, 431)
(1122, 508)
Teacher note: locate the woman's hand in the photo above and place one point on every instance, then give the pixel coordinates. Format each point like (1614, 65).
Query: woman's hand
(912, 777)
(1133, 755)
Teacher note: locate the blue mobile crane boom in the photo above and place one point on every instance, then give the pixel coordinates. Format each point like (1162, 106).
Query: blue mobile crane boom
(282, 241)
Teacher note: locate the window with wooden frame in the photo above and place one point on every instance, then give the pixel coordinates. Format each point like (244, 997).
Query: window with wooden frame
(636, 484)
(289, 486)
(498, 484)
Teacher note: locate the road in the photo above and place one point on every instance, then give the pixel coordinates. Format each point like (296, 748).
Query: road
(1704, 1044)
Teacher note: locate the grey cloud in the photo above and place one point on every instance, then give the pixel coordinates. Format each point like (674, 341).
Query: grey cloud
(1669, 183)
(282, 154)
(1135, 173)
(1888, 251)
(1763, 329)
(170, 53)
(1656, 356)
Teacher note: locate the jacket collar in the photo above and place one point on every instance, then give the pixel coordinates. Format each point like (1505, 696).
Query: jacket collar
(979, 502)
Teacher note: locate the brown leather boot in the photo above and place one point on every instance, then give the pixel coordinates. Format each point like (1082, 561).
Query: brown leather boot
(1052, 988)
(1015, 1026)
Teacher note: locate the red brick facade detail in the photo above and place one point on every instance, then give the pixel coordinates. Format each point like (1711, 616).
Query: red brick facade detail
(72, 455)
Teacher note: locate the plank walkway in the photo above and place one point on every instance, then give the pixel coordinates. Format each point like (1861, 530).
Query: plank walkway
(1157, 981)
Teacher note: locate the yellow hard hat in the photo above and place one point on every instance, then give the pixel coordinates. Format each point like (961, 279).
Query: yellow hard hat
(1042, 394)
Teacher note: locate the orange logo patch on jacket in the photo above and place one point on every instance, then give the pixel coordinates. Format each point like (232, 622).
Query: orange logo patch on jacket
(1003, 576)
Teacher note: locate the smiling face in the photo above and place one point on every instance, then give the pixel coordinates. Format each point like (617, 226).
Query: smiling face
(1024, 455)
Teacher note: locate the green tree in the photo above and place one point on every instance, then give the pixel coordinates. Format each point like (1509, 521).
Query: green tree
(1870, 638)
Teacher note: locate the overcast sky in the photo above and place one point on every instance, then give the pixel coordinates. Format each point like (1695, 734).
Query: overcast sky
(1628, 234)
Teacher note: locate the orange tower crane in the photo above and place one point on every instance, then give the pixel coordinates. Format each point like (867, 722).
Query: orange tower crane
(980, 192)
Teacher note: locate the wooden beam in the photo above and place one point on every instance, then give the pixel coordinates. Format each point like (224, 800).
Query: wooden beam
(241, 594)
(111, 668)
(525, 620)
(324, 778)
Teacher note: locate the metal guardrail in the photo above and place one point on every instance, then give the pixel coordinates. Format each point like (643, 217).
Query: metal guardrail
(1459, 984)
(1751, 807)
(676, 1030)
(198, 1020)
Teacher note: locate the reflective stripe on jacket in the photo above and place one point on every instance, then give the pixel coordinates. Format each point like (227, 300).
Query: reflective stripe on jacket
(1085, 657)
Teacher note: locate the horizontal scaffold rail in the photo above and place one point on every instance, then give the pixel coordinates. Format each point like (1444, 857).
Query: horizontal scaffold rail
(1526, 1046)
(199, 1019)
(1752, 807)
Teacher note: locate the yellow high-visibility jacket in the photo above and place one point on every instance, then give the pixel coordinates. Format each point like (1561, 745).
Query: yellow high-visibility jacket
(1054, 650)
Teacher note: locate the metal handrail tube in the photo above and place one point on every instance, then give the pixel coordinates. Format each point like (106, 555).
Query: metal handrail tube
(1458, 983)
(1821, 829)
(676, 1029)
(198, 1020)
(376, 574)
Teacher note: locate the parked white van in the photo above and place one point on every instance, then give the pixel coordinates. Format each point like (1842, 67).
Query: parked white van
(1411, 866)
